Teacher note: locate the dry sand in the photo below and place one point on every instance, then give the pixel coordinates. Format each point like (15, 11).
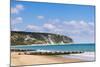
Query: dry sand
(17, 60)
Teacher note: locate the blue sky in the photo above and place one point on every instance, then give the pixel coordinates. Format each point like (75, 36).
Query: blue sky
(76, 21)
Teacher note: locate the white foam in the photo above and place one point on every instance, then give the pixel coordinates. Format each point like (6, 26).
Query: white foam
(87, 56)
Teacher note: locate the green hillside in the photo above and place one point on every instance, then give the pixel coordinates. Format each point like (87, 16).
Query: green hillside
(28, 38)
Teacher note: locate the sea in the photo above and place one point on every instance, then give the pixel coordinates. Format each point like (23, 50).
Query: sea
(88, 49)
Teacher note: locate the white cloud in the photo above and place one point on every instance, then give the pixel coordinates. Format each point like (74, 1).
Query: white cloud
(40, 17)
(69, 27)
(49, 26)
(78, 30)
(14, 11)
(17, 9)
(15, 29)
(34, 28)
(79, 26)
(16, 20)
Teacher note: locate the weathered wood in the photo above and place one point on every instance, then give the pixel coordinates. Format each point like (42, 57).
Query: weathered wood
(31, 52)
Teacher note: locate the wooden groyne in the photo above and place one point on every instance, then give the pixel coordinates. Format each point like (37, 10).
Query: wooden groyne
(51, 53)
(44, 52)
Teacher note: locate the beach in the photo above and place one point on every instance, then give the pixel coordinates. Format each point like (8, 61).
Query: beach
(21, 56)
(17, 60)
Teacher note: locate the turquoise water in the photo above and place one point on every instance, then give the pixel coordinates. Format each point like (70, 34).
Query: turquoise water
(64, 47)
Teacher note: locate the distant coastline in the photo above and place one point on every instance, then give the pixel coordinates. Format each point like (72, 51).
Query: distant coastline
(32, 38)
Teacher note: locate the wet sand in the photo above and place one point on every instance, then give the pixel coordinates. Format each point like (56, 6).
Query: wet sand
(17, 60)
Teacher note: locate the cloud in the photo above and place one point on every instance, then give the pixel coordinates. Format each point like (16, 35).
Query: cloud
(17, 9)
(16, 20)
(32, 27)
(66, 27)
(79, 26)
(49, 26)
(15, 29)
(40, 17)
(35, 28)
(14, 11)
(80, 31)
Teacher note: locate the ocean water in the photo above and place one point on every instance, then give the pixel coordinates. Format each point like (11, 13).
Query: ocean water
(88, 49)
(65, 47)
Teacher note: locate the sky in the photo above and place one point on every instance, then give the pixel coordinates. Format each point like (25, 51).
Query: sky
(75, 21)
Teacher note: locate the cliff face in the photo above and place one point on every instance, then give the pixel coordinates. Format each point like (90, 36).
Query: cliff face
(28, 38)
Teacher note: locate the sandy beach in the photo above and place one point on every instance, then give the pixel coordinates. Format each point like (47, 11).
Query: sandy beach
(17, 60)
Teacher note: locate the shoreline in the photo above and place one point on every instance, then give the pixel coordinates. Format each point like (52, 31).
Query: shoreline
(86, 56)
(18, 60)
(51, 44)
